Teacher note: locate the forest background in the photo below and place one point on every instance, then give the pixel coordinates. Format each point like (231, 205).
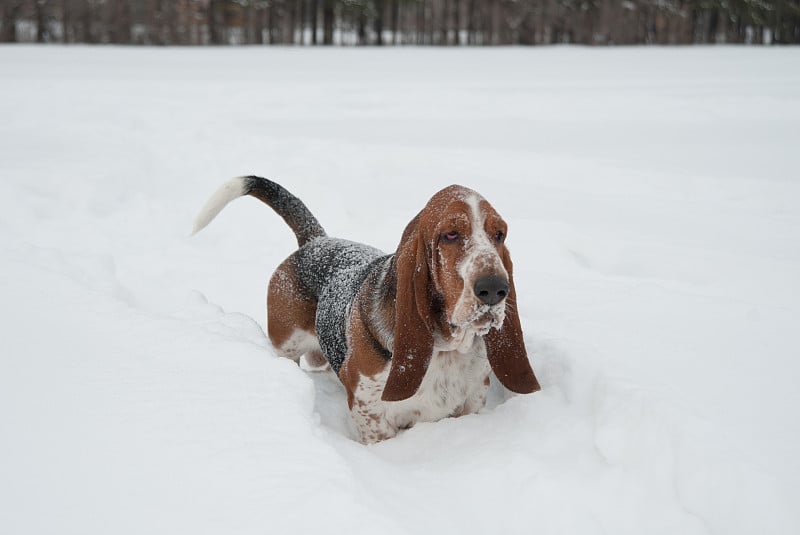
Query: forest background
(400, 22)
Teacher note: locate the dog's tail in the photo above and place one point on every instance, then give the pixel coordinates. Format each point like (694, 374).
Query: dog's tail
(290, 208)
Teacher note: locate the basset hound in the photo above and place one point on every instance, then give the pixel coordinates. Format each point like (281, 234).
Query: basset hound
(412, 335)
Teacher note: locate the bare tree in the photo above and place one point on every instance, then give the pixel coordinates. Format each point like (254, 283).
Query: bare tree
(212, 16)
(42, 33)
(11, 13)
(327, 21)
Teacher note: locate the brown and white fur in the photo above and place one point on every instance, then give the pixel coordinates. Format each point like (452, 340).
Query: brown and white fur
(412, 335)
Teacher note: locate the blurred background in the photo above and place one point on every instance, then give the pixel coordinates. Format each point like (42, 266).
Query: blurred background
(400, 22)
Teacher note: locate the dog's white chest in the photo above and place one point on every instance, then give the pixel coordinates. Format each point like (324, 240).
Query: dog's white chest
(454, 384)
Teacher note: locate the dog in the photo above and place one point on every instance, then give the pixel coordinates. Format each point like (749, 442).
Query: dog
(412, 335)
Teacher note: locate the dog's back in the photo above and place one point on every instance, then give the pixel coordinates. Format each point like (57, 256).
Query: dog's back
(333, 270)
(310, 293)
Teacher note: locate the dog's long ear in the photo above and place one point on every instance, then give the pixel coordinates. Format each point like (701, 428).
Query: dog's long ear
(413, 328)
(506, 348)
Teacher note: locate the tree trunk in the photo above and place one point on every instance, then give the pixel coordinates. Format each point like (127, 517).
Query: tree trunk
(302, 15)
(270, 14)
(41, 21)
(10, 16)
(327, 22)
(421, 23)
(214, 31)
(120, 31)
(362, 26)
(86, 22)
(444, 24)
(430, 10)
(291, 22)
(378, 22)
(495, 33)
(314, 13)
(471, 30)
(169, 18)
(395, 22)
(458, 22)
(262, 24)
(250, 23)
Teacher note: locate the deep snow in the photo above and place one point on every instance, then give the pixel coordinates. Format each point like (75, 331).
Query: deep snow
(654, 210)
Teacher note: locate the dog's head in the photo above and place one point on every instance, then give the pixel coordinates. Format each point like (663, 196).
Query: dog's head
(455, 282)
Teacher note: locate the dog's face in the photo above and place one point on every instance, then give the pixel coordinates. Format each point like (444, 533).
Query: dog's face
(466, 242)
(455, 282)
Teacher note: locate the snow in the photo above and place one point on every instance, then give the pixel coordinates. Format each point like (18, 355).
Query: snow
(652, 198)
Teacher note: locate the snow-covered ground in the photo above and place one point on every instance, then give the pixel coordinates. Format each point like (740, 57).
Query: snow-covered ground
(653, 197)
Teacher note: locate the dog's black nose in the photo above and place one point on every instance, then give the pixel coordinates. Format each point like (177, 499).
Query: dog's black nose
(491, 290)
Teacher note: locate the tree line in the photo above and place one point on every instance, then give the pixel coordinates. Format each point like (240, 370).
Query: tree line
(400, 22)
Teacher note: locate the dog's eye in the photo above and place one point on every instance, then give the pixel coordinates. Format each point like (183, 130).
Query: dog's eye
(499, 236)
(451, 236)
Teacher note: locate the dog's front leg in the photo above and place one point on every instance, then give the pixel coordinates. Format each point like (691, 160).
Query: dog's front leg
(369, 413)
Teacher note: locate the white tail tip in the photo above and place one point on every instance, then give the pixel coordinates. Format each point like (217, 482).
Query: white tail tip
(230, 190)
